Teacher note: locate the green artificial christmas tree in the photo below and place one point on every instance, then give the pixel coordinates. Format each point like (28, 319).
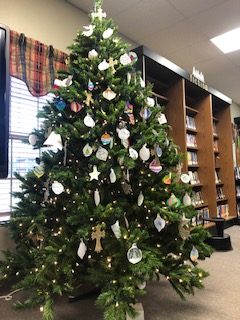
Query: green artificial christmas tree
(107, 204)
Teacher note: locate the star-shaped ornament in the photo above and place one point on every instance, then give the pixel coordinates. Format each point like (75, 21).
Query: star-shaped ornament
(89, 98)
(112, 63)
(94, 175)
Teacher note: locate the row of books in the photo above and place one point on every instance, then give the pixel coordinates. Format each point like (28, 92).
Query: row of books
(237, 173)
(194, 178)
(191, 140)
(192, 158)
(220, 194)
(197, 198)
(238, 210)
(217, 177)
(214, 128)
(223, 210)
(201, 214)
(238, 191)
(190, 123)
(215, 145)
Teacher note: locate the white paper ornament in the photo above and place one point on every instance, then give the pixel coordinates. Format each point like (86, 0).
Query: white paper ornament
(32, 139)
(88, 30)
(142, 83)
(187, 200)
(159, 223)
(112, 176)
(125, 143)
(82, 249)
(183, 231)
(57, 187)
(123, 134)
(142, 285)
(107, 33)
(116, 229)
(133, 153)
(140, 199)
(158, 151)
(87, 150)
(134, 254)
(125, 59)
(104, 65)
(185, 178)
(67, 81)
(150, 102)
(144, 153)
(102, 154)
(94, 174)
(88, 121)
(96, 197)
(194, 254)
(161, 118)
(54, 140)
(109, 94)
(93, 54)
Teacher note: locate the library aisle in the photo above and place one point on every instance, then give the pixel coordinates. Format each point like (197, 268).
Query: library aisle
(218, 301)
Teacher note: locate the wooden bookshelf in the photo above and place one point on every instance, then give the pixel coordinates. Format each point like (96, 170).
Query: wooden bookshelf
(204, 113)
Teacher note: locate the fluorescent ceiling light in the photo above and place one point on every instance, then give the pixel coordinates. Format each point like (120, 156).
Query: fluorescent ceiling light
(229, 41)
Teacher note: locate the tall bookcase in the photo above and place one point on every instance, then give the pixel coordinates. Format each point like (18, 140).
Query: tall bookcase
(201, 126)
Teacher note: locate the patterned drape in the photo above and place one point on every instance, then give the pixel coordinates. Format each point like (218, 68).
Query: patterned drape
(35, 63)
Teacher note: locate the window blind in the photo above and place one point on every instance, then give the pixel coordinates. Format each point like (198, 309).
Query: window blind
(23, 111)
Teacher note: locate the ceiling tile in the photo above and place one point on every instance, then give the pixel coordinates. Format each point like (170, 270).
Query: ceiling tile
(147, 18)
(219, 19)
(190, 8)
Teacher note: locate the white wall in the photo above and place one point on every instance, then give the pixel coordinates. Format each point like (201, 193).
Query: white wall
(54, 22)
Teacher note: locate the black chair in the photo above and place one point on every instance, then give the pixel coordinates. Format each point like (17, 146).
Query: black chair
(220, 241)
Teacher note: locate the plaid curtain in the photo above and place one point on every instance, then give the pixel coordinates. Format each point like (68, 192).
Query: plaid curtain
(35, 63)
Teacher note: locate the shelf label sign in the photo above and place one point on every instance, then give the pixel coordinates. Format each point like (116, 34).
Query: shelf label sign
(197, 78)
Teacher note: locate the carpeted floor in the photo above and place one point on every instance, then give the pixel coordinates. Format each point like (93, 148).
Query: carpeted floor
(220, 300)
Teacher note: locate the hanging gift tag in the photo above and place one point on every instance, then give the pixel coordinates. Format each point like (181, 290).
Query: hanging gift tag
(161, 118)
(150, 102)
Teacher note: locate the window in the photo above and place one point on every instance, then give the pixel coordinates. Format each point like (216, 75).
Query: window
(23, 110)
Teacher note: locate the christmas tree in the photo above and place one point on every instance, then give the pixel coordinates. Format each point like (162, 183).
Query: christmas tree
(106, 204)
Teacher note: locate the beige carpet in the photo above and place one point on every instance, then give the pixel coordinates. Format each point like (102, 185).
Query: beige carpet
(220, 300)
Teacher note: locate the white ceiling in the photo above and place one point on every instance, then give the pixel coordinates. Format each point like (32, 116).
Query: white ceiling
(180, 31)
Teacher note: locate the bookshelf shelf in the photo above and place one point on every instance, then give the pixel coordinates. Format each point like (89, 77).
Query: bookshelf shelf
(162, 98)
(191, 130)
(191, 111)
(201, 115)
